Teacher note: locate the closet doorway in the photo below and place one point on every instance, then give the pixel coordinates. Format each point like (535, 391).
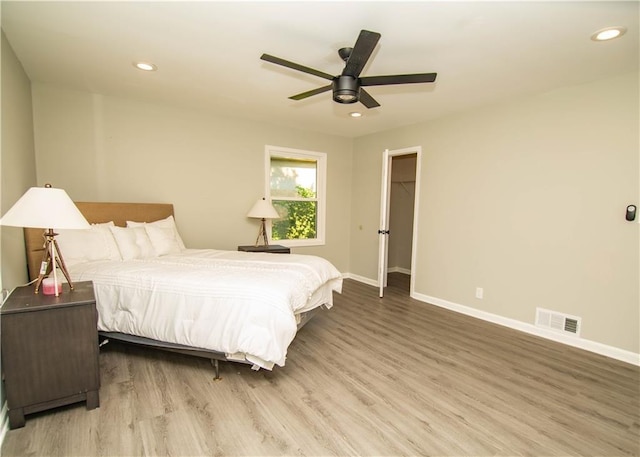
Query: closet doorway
(398, 217)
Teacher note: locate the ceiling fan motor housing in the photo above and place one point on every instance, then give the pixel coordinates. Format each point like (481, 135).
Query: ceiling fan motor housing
(345, 89)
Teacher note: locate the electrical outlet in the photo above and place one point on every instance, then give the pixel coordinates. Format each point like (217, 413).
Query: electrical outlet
(479, 292)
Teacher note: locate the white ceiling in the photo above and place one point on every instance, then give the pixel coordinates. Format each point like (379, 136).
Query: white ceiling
(208, 53)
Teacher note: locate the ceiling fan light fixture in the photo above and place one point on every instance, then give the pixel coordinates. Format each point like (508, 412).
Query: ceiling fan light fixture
(355, 114)
(345, 98)
(345, 89)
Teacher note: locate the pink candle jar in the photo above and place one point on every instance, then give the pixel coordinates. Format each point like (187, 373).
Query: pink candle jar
(49, 286)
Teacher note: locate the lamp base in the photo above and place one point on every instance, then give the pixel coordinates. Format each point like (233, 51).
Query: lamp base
(52, 254)
(262, 233)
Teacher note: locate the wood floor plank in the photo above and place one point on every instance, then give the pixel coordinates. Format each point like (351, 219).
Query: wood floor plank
(371, 376)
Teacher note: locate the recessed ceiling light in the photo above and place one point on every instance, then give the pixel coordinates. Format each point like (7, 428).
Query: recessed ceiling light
(355, 114)
(608, 34)
(145, 66)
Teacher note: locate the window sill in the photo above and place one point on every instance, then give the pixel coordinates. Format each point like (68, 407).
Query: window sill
(299, 243)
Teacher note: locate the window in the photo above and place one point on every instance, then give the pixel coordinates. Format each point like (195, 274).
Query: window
(296, 186)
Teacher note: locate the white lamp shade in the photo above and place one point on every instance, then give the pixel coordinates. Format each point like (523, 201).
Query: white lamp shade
(263, 209)
(45, 207)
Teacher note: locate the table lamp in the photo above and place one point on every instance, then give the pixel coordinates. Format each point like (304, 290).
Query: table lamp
(263, 210)
(47, 208)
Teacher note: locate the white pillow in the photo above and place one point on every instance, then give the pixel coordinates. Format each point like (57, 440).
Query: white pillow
(168, 223)
(163, 239)
(133, 242)
(95, 243)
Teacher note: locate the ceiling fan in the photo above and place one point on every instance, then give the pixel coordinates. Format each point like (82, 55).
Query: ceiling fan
(347, 87)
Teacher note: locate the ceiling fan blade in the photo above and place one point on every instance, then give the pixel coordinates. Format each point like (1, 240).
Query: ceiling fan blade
(311, 92)
(367, 100)
(295, 66)
(361, 52)
(398, 79)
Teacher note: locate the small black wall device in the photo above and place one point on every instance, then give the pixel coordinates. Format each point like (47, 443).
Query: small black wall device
(631, 213)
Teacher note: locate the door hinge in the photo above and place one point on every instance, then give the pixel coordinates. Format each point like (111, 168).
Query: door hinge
(383, 232)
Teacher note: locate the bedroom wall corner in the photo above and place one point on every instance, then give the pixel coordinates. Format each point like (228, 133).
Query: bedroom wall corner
(18, 171)
(525, 199)
(17, 160)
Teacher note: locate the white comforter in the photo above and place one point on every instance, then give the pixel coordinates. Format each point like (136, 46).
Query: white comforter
(242, 304)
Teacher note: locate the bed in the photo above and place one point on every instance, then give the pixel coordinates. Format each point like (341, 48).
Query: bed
(151, 290)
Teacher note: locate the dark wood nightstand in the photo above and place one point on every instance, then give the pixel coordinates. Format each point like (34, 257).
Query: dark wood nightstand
(272, 248)
(49, 350)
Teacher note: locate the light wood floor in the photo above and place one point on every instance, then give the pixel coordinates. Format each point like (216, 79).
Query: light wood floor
(369, 377)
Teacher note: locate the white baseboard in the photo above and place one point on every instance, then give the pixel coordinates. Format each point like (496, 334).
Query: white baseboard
(405, 271)
(362, 279)
(4, 422)
(374, 282)
(581, 343)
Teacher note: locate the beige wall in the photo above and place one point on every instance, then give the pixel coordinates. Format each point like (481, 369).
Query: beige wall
(525, 199)
(17, 169)
(102, 148)
(17, 159)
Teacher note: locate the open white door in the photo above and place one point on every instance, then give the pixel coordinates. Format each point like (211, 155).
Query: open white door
(385, 203)
(383, 231)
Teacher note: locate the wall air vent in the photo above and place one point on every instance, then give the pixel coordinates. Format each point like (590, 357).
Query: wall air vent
(559, 322)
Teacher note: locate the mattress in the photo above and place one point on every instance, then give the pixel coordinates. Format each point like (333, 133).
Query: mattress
(238, 303)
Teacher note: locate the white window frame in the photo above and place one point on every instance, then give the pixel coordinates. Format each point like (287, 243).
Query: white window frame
(321, 200)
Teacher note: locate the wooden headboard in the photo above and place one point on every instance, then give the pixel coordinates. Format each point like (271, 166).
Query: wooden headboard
(96, 212)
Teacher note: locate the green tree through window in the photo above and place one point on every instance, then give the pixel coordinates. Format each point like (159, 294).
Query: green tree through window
(298, 218)
(297, 190)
